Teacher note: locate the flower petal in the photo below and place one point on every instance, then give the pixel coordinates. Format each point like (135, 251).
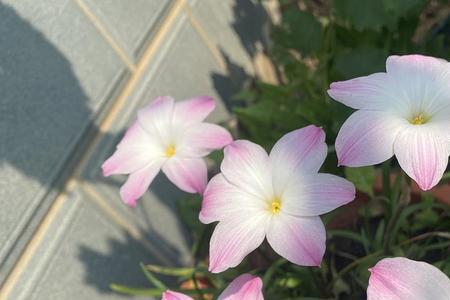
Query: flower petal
(374, 92)
(138, 182)
(246, 287)
(421, 78)
(367, 138)
(301, 240)
(135, 136)
(188, 174)
(298, 152)
(169, 295)
(401, 278)
(317, 194)
(246, 165)
(156, 118)
(234, 238)
(222, 199)
(201, 139)
(127, 160)
(422, 151)
(193, 110)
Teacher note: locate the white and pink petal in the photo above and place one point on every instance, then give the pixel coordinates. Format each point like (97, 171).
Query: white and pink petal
(404, 279)
(171, 295)
(188, 174)
(244, 287)
(201, 139)
(367, 138)
(194, 110)
(316, 194)
(301, 240)
(301, 151)
(138, 183)
(373, 92)
(223, 199)
(246, 165)
(422, 152)
(234, 238)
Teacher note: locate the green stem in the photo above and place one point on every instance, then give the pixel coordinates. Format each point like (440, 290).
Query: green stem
(397, 207)
(386, 175)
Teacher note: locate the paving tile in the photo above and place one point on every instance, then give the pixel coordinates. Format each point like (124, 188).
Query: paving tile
(131, 23)
(185, 67)
(56, 73)
(236, 27)
(74, 261)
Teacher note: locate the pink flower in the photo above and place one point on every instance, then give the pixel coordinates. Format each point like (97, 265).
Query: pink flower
(246, 287)
(404, 279)
(279, 196)
(168, 136)
(405, 111)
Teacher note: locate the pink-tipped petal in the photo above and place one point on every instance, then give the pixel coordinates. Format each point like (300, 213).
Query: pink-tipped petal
(422, 79)
(127, 160)
(301, 151)
(404, 279)
(170, 295)
(301, 240)
(135, 136)
(422, 151)
(188, 174)
(246, 165)
(203, 138)
(367, 138)
(193, 110)
(244, 287)
(235, 238)
(373, 92)
(222, 199)
(156, 118)
(138, 183)
(317, 194)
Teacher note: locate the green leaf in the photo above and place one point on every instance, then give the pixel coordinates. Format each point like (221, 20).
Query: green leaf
(301, 31)
(152, 279)
(362, 14)
(376, 14)
(359, 62)
(179, 272)
(135, 291)
(363, 178)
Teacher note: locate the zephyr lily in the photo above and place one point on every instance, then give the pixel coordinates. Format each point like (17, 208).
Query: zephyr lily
(404, 111)
(404, 279)
(279, 196)
(246, 287)
(168, 136)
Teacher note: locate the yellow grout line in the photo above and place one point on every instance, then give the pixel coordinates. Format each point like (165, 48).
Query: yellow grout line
(106, 123)
(206, 39)
(115, 216)
(121, 99)
(35, 241)
(106, 35)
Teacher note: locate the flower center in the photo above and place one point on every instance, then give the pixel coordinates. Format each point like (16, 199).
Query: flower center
(419, 119)
(170, 151)
(275, 206)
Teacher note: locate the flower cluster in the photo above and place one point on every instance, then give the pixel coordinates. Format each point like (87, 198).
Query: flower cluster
(280, 196)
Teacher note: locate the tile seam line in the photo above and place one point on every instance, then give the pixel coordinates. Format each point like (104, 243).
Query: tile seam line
(105, 124)
(35, 241)
(106, 35)
(204, 36)
(119, 219)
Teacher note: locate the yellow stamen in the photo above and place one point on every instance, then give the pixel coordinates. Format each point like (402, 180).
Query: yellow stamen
(419, 119)
(170, 151)
(275, 206)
